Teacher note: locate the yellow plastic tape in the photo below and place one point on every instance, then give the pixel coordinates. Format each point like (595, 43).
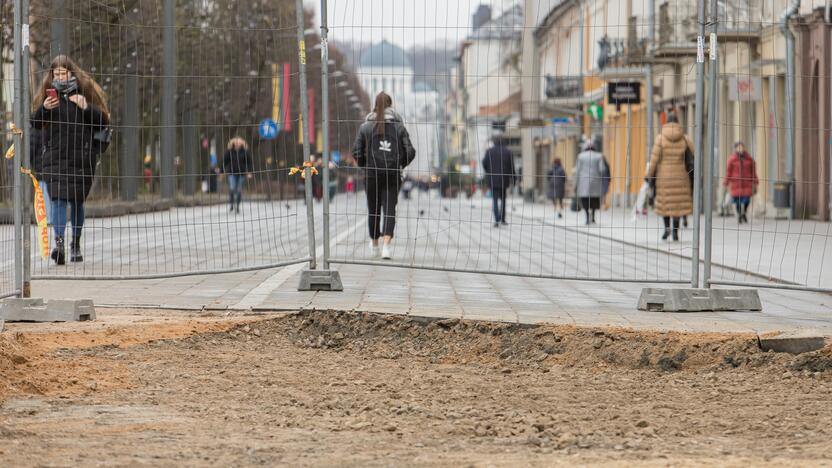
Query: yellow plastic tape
(40, 215)
(10, 152)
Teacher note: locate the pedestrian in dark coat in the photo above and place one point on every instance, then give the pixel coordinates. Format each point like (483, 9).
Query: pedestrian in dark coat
(383, 148)
(498, 165)
(557, 186)
(237, 164)
(72, 110)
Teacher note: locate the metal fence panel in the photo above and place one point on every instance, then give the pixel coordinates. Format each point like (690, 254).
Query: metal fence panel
(456, 89)
(181, 85)
(772, 200)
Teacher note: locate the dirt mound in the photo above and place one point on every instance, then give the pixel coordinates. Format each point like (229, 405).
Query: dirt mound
(64, 359)
(820, 361)
(461, 342)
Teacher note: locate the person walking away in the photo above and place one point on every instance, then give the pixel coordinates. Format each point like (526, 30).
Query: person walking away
(590, 172)
(606, 180)
(674, 193)
(333, 180)
(317, 179)
(499, 173)
(557, 186)
(383, 148)
(71, 108)
(741, 179)
(237, 164)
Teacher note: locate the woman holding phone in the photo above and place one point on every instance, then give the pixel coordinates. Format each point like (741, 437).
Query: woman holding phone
(71, 109)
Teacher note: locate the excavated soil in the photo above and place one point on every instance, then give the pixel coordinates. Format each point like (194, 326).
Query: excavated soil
(327, 388)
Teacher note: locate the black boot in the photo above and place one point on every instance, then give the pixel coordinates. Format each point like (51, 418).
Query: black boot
(58, 253)
(676, 234)
(666, 233)
(75, 250)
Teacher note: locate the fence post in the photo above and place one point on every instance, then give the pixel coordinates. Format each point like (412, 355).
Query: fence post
(26, 161)
(712, 142)
(697, 171)
(325, 279)
(304, 112)
(325, 126)
(17, 141)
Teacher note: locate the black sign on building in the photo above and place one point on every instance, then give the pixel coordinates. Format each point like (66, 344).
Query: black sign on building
(625, 92)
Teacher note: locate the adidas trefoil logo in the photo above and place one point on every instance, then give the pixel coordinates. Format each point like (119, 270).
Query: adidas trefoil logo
(385, 145)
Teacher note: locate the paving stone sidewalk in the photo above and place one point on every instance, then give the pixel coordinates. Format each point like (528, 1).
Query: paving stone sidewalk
(457, 234)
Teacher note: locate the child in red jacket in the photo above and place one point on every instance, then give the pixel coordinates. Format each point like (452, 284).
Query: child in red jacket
(741, 178)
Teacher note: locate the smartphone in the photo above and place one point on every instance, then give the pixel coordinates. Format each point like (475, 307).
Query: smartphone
(52, 93)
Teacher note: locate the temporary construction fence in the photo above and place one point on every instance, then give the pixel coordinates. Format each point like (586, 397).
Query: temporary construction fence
(489, 105)
(198, 100)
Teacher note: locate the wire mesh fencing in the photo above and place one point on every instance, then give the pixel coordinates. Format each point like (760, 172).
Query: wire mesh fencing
(178, 159)
(8, 287)
(770, 145)
(588, 140)
(484, 192)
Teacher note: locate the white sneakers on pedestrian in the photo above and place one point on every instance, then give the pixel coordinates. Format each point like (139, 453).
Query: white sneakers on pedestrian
(374, 250)
(387, 252)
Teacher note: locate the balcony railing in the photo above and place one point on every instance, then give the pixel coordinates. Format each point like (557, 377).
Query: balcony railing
(677, 24)
(677, 21)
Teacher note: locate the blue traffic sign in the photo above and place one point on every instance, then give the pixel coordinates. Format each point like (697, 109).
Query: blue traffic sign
(268, 129)
(336, 157)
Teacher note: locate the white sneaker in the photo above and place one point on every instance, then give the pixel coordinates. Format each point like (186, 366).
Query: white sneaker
(387, 252)
(374, 250)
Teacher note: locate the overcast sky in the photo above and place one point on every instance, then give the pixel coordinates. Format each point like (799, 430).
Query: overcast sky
(404, 22)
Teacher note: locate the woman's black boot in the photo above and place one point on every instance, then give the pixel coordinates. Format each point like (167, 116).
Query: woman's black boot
(58, 253)
(75, 250)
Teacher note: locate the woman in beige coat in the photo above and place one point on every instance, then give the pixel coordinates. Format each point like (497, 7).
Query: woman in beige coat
(674, 192)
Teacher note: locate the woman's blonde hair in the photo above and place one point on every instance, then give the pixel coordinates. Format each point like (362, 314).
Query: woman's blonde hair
(87, 87)
(237, 142)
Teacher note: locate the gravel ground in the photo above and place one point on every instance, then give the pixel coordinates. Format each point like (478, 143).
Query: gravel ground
(324, 389)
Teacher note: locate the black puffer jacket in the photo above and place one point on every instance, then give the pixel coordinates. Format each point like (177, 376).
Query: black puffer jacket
(36, 148)
(69, 162)
(389, 152)
(237, 161)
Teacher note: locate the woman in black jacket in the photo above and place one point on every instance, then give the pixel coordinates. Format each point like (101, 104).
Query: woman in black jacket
(71, 109)
(383, 149)
(236, 164)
